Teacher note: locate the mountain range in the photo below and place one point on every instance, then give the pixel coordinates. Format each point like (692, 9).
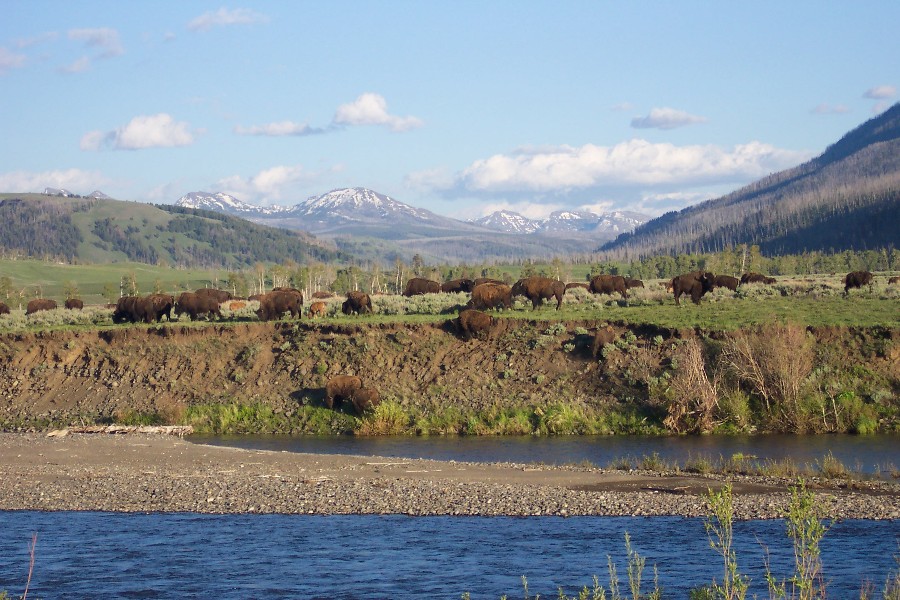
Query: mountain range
(367, 224)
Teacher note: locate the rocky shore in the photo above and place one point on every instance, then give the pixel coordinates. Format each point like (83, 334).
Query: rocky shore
(154, 473)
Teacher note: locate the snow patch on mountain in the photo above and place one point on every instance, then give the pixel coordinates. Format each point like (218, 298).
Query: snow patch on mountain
(222, 202)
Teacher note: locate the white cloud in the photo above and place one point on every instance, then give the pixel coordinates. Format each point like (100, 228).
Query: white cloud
(371, 109)
(633, 163)
(10, 60)
(224, 17)
(75, 180)
(828, 109)
(880, 92)
(103, 39)
(79, 66)
(666, 118)
(282, 128)
(272, 184)
(145, 131)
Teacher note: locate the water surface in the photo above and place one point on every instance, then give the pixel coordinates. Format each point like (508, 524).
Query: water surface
(107, 555)
(867, 454)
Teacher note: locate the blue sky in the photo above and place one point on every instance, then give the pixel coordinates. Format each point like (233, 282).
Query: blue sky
(458, 107)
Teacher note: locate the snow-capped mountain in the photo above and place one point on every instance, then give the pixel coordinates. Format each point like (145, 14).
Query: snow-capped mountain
(98, 195)
(361, 204)
(564, 221)
(222, 202)
(508, 221)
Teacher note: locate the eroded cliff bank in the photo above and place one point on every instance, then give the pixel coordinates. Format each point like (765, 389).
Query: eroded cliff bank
(54, 378)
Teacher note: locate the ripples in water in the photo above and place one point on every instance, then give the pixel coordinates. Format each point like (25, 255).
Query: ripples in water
(90, 555)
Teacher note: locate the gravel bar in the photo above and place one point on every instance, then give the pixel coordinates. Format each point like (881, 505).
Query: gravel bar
(154, 473)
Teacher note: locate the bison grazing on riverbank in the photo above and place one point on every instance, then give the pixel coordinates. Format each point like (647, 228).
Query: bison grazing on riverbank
(419, 285)
(608, 284)
(537, 289)
(473, 323)
(490, 295)
(39, 304)
(458, 285)
(605, 335)
(695, 283)
(727, 281)
(857, 279)
(364, 399)
(4, 309)
(278, 302)
(195, 305)
(74, 304)
(317, 309)
(357, 303)
(756, 278)
(340, 388)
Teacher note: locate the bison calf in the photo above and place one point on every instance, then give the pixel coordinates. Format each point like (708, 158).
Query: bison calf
(317, 309)
(605, 335)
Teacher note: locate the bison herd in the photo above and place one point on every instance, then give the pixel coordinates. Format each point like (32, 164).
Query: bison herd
(485, 294)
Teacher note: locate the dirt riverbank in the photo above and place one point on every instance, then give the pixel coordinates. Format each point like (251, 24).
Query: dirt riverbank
(58, 378)
(145, 473)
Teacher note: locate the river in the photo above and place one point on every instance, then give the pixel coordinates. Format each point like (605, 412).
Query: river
(866, 454)
(104, 555)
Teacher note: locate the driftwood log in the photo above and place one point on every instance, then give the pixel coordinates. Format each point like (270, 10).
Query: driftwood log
(179, 430)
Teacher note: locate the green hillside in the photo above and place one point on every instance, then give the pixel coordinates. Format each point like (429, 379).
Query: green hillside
(86, 230)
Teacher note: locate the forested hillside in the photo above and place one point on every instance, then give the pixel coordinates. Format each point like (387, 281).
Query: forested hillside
(101, 231)
(848, 198)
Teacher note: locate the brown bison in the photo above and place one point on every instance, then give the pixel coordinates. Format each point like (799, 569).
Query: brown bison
(340, 388)
(894, 280)
(605, 335)
(586, 286)
(161, 305)
(472, 323)
(219, 296)
(277, 302)
(537, 289)
(419, 285)
(357, 303)
(196, 305)
(633, 283)
(481, 280)
(364, 399)
(695, 283)
(39, 304)
(322, 295)
(317, 309)
(756, 278)
(857, 279)
(74, 304)
(727, 281)
(458, 285)
(129, 309)
(608, 284)
(490, 295)
(4, 309)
